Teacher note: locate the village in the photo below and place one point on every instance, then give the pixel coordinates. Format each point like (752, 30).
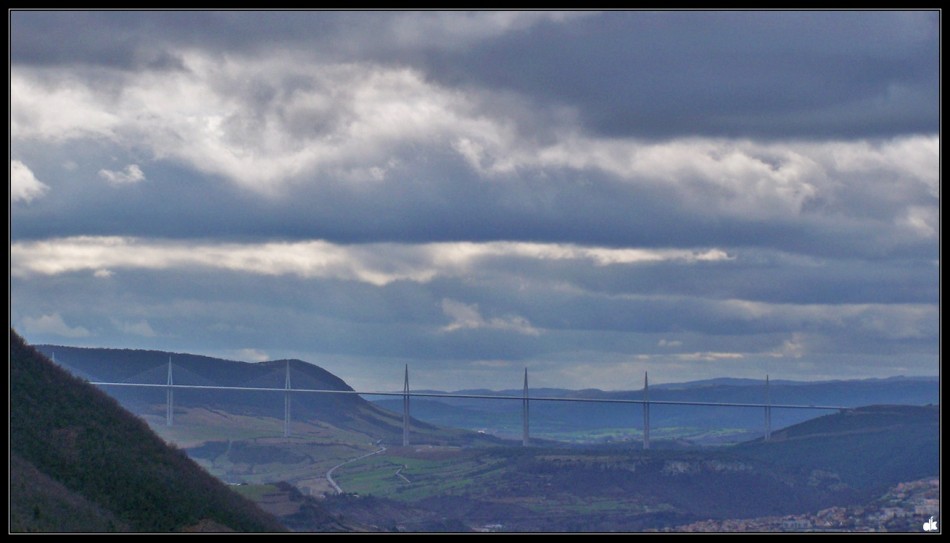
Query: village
(905, 508)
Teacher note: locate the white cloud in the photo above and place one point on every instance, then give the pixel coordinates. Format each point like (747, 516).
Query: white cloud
(140, 328)
(891, 321)
(251, 355)
(130, 175)
(467, 317)
(59, 110)
(53, 324)
(456, 29)
(708, 356)
(228, 116)
(924, 221)
(377, 264)
(268, 124)
(793, 347)
(24, 186)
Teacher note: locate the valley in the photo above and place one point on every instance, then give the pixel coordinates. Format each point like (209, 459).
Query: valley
(585, 471)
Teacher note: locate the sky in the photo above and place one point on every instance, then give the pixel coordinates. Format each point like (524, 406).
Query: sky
(588, 195)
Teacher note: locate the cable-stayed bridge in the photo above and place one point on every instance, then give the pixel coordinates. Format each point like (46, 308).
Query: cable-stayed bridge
(171, 378)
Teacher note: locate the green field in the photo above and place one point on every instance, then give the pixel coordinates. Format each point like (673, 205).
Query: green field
(430, 472)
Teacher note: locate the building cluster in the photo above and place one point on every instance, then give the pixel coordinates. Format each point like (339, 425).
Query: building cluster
(905, 508)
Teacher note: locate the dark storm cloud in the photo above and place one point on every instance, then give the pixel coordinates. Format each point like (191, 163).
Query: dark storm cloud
(747, 74)
(135, 39)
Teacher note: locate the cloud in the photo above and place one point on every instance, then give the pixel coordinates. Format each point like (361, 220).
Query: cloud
(377, 264)
(734, 177)
(467, 317)
(769, 74)
(24, 186)
(140, 328)
(709, 356)
(924, 221)
(698, 190)
(456, 30)
(59, 111)
(130, 175)
(53, 324)
(261, 123)
(251, 355)
(271, 126)
(794, 347)
(890, 321)
(660, 75)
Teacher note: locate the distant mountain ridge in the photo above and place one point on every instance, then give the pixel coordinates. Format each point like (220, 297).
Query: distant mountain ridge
(560, 418)
(723, 383)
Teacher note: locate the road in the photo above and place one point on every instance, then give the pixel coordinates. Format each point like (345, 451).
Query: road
(401, 476)
(331, 470)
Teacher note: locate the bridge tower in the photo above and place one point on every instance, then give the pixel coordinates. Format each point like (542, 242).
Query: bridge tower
(169, 397)
(768, 410)
(646, 412)
(524, 411)
(405, 409)
(287, 400)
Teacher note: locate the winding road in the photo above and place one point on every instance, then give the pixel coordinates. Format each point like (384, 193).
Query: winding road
(331, 470)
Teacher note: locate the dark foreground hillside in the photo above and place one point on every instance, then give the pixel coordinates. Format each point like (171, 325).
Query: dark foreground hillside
(81, 463)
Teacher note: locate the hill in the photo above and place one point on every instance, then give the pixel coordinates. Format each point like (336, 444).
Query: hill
(80, 462)
(310, 412)
(238, 435)
(867, 448)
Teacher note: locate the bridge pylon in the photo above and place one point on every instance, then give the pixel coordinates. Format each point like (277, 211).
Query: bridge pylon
(646, 412)
(405, 409)
(170, 397)
(287, 400)
(524, 412)
(768, 410)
